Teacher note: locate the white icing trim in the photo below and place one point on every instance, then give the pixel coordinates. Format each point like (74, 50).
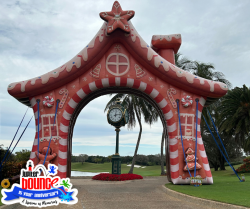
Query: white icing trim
(32, 155)
(72, 103)
(81, 93)
(174, 154)
(63, 142)
(168, 115)
(174, 168)
(64, 128)
(206, 167)
(92, 86)
(202, 101)
(203, 154)
(163, 103)
(154, 93)
(62, 155)
(62, 168)
(66, 115)
(173, 141)
(171, 128)
(33, 102)
(117, 81)
(105, 82)
(142, 86)
(130, 82)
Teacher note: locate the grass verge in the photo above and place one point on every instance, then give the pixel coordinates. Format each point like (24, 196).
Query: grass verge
(106, 167)
(226, 188)
(1, 196)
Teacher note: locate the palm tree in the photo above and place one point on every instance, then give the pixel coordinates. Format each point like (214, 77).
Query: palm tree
(182, 62)
(207, 71)
(200, 69)
(136, 107)
(235, 115)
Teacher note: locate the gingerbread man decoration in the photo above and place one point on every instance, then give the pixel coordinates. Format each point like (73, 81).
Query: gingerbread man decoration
(48, 158)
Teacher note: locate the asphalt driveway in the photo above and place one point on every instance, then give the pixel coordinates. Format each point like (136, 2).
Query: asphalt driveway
(136, 194)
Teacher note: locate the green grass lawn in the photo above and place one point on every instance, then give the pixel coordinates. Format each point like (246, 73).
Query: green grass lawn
(106, 167)
(226, 188)
(1, 196)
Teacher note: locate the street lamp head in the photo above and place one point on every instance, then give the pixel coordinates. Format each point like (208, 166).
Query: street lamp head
(117, 115)
(117, 101)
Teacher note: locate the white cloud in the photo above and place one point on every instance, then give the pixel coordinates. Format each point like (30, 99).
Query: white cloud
(39, 36)
(127, 140)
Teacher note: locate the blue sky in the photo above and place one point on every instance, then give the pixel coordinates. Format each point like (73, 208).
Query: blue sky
(38, 36)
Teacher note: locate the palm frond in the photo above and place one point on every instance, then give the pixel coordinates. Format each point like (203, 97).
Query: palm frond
(112, 101)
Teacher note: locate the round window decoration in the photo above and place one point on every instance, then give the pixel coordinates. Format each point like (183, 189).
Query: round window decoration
(117, 64)
(48, 101)
(186, 101)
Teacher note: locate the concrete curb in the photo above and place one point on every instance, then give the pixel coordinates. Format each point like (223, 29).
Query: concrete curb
(211, 203)
(81, 177)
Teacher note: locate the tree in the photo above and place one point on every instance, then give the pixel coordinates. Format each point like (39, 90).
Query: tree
(23, 155)
(126, 159)
(3, 152)
(235, 115)
(137, 108)
(207, 71)
(202, 70)
(73, 158)
(154, 159)
(110, 158)
(215, 157)
(142, 159)
(98, 160)
(82, 157)
(182, 62)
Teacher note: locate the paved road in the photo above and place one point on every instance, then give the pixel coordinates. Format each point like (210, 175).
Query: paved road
(136, 194)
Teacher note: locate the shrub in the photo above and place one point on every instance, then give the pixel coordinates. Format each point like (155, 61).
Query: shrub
(245, 168)
(234, 163)
(247, 159)
(11, 169)
(116, 177)
(23, 155)
(150, 163)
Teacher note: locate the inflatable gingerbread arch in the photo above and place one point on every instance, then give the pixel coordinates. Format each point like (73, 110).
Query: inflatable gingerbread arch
(117, 59)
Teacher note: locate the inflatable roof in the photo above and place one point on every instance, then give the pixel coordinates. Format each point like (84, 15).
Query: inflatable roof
(145, 54)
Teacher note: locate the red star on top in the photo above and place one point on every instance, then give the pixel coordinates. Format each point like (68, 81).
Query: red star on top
(117, 18)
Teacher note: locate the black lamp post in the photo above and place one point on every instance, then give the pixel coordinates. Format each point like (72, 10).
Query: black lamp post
(117, 116)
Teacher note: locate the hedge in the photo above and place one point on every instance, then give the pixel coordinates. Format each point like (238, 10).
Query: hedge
(11, 169)
(245, 168)
(116, 177)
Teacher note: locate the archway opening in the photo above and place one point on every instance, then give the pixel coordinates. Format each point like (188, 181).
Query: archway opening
(108, 90)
